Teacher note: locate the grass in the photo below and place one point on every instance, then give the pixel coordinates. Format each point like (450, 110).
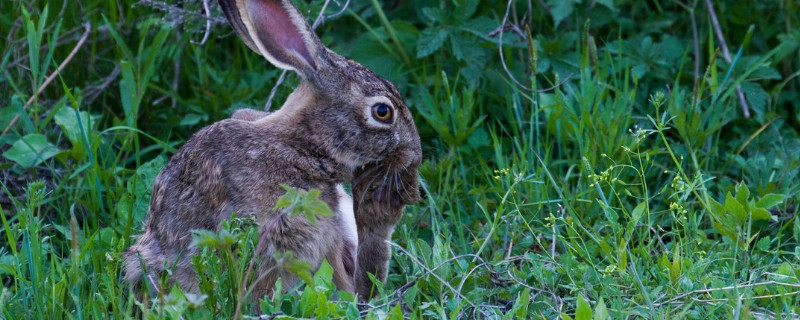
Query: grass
(635, 188)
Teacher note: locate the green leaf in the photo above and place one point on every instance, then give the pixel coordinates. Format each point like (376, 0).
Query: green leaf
(600, 311)
(397, 313)
(584, 310)
(433, 14)
(756, 96)
(466, 49)
(140, 188)
(763, 243)
(521, 305)
(764, 72)
(430, 40)
(306, 203)
(607, 3)
(323, 278)
(560, 9)
(31, 150)
(742, 194)
(75, 126)
(796, 231)
(191, 119)
(736, 209)
(465, 9)
(301, 268)
(770, 200)
(638, 212)
(760, 214)
(205, 238)
(717, 208)
(73, 123)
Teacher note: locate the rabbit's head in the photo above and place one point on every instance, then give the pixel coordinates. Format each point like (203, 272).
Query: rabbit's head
(355, 116)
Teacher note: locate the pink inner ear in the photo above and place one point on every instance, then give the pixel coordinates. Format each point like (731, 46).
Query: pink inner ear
(279, 34)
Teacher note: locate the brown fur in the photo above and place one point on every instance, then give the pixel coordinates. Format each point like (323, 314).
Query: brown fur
(321, 137)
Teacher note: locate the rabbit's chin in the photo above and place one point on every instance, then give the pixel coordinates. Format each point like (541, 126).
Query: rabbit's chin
(375, 183)
(392, 198)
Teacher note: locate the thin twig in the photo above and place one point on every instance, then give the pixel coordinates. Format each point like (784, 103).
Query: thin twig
(92, 92)
(88, 27)
(321, 16)
(274, 89)
(503, 59)
(500, 49)
(208, 24)
(344, 8)
(726, 54)
(65, 38)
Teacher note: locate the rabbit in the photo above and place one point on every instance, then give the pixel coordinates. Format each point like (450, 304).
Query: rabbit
(342, 124)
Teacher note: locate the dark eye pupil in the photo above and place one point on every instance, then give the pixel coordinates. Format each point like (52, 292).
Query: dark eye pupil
(382, 111)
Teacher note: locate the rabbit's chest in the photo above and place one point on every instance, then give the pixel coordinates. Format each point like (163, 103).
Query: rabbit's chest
(346, 214)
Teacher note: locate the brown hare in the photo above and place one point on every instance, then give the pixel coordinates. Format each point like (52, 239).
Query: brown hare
(342, 123)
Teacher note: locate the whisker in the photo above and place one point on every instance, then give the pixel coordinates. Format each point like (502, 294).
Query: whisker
(365, 174)
(367, 188)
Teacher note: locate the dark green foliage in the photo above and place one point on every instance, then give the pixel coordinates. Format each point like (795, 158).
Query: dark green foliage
(634, 188)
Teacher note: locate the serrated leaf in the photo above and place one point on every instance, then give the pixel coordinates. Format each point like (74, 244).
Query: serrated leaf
(283, 201)
(321, 208)
(465, 9)
(756, 96)
(607, 3)
(430, 40)
(433, 14)
(765, 72)
(31, 150)
(763, 243)
(466, 49)
(560, 10)
(483, 26)
(770, 200)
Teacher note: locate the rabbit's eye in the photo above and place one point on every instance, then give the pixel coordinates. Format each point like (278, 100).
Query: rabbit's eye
(382, 112)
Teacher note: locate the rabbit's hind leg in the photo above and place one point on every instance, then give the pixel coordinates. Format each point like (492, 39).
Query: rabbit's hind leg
(285, 234)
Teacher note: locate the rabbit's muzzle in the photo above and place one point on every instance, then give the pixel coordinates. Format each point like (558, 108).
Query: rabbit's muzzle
(392, 181)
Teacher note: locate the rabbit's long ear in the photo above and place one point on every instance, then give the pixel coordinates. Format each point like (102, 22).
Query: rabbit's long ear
(276, 30)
